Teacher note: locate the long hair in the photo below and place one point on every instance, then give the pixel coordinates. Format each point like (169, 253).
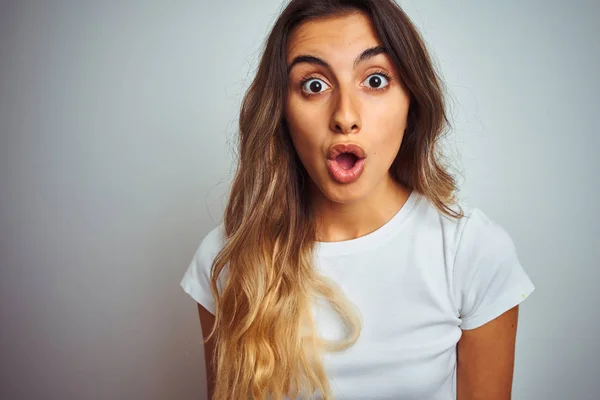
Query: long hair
(266, 342)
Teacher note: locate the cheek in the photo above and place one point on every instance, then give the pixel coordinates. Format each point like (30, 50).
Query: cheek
(302, 143)
(387, 143)
(304, 128)
(390, 120)
(307, 148)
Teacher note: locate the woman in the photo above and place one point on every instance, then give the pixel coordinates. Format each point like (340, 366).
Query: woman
(344, 267)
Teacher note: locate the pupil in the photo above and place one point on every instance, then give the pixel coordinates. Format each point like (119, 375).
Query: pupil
(375, 81)
(315, 86)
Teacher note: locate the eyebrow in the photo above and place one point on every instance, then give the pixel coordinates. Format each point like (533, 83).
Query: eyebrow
(365, 55)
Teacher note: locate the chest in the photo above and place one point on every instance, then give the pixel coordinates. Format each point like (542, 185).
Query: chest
(409, 327)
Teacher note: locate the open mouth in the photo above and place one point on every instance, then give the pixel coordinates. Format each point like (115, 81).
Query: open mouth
(346, 160)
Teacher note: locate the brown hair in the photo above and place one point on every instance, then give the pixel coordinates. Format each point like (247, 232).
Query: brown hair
(266, 343)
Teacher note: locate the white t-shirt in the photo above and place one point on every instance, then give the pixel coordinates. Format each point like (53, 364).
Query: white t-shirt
(418, 281)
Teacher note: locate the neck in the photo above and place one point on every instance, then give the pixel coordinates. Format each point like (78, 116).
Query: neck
(345, 221)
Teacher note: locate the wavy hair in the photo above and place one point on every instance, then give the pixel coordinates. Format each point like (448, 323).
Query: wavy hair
(266, 342)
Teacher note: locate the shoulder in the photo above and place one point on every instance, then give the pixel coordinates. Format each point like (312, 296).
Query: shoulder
(484, 270)
(197, 278)
(473, 232)
(212, 243)
(481, 238)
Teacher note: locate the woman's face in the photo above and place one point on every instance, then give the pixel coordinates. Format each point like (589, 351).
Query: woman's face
(336, 96)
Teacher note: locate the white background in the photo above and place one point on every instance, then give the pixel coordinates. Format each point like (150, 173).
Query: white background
(117, 122)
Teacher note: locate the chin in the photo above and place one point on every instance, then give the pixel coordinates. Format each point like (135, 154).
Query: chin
(343, 194)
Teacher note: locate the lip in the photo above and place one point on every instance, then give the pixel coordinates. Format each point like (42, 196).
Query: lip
(341, 148)
(345, 176)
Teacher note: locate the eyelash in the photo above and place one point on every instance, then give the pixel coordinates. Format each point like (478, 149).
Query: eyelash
(378, 72)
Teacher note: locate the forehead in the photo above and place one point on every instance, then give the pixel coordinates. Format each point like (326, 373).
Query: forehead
(339, 36)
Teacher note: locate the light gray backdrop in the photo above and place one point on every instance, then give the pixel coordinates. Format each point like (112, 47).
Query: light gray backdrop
(116, 121)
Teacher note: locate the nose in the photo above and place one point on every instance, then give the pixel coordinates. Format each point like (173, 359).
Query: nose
(345, 118)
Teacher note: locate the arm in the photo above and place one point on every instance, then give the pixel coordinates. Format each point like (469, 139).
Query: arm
(486, 359)
(207, 321)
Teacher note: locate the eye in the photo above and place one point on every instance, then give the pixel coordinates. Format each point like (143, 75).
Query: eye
(378, 80)
(313, 85)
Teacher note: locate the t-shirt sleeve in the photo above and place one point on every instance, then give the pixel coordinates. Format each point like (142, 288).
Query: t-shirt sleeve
(196, 280)
(488, 276)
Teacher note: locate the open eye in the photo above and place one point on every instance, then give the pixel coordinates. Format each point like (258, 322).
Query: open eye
(377, 81)
(313, 85)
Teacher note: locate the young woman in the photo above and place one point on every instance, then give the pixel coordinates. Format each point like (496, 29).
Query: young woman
(344, 267)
